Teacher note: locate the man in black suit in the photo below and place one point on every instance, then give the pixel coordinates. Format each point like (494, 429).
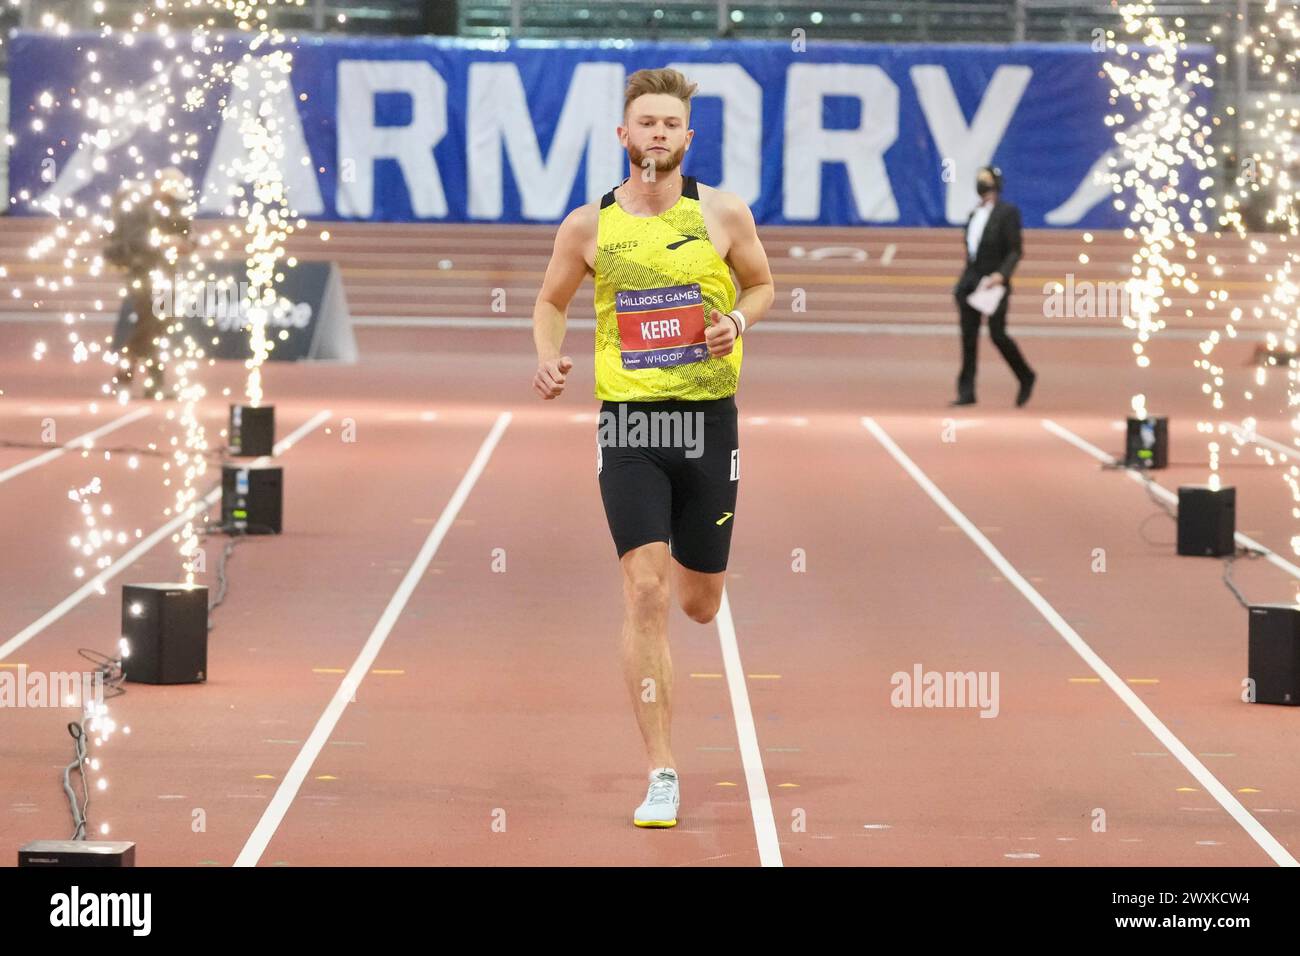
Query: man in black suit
(992, 240)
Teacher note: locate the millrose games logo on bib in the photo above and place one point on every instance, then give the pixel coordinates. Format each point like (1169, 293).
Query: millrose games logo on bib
(661, 327)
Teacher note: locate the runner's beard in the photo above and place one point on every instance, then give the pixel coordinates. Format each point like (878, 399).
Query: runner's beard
(662, 163)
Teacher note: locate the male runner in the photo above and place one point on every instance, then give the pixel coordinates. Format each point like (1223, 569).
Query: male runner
(668, 340)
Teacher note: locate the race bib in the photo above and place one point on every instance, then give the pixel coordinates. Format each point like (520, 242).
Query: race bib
(661, 327)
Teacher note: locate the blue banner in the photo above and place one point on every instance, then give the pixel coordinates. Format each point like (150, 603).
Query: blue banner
(433, 129)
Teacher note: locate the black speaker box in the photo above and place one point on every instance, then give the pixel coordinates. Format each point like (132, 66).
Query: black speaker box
(1274, 659)
(1146, 443)
(251, 432)
(252, 498)
(166, 630)
(97, 853)
(1207, 520)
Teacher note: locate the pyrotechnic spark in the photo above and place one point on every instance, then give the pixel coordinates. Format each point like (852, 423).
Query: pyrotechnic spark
(1163, 147)
(131, 127)
(1268, 152)
(1265, 175)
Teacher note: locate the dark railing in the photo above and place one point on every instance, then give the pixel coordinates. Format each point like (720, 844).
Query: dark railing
(892, 21)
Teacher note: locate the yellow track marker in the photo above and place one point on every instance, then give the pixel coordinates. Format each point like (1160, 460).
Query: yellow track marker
(1186, 790)
(1248, 790)
(710, 676)
(326, 776)
(1144, 680)
(14, 666)
(263, 776)
(328, 670)
(787, 785)
(724, 783)
(1085, 680)
(377, 671)
(764, 676)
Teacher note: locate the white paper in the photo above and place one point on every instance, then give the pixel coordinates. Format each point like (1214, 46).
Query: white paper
(985, 299)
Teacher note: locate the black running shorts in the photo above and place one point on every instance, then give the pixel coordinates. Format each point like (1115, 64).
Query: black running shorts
(669, 471)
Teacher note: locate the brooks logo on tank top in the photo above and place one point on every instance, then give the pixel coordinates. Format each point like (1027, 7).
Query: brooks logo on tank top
(658, 279)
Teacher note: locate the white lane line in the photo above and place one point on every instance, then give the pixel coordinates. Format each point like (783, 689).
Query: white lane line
(289, 786)
(1243, 435)
(95, 584)
(760, 803)
(1164, 493)
(77, 444)
(1255, 437)
(1267, 842)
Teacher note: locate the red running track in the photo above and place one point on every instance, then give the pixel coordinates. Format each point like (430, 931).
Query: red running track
(490, 723)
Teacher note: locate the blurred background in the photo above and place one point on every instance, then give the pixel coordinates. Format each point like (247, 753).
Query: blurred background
(1224, 22)
(516, 100)
(885, 21)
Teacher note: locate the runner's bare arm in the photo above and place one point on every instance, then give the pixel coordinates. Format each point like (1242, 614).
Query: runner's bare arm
(564, 274)
(748, 260)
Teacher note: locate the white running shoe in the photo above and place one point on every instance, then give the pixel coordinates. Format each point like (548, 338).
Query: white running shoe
(661, 800)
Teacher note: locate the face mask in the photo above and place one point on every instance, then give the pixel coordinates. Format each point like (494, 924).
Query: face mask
(983, 188)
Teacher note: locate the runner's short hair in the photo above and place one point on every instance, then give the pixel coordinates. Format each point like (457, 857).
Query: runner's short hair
(666, 80)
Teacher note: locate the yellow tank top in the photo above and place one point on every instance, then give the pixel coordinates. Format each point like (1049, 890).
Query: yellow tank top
(658, 280)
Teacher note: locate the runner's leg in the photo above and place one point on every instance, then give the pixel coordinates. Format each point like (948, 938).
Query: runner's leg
(637, 495)
(647, 663)
(704, 504)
